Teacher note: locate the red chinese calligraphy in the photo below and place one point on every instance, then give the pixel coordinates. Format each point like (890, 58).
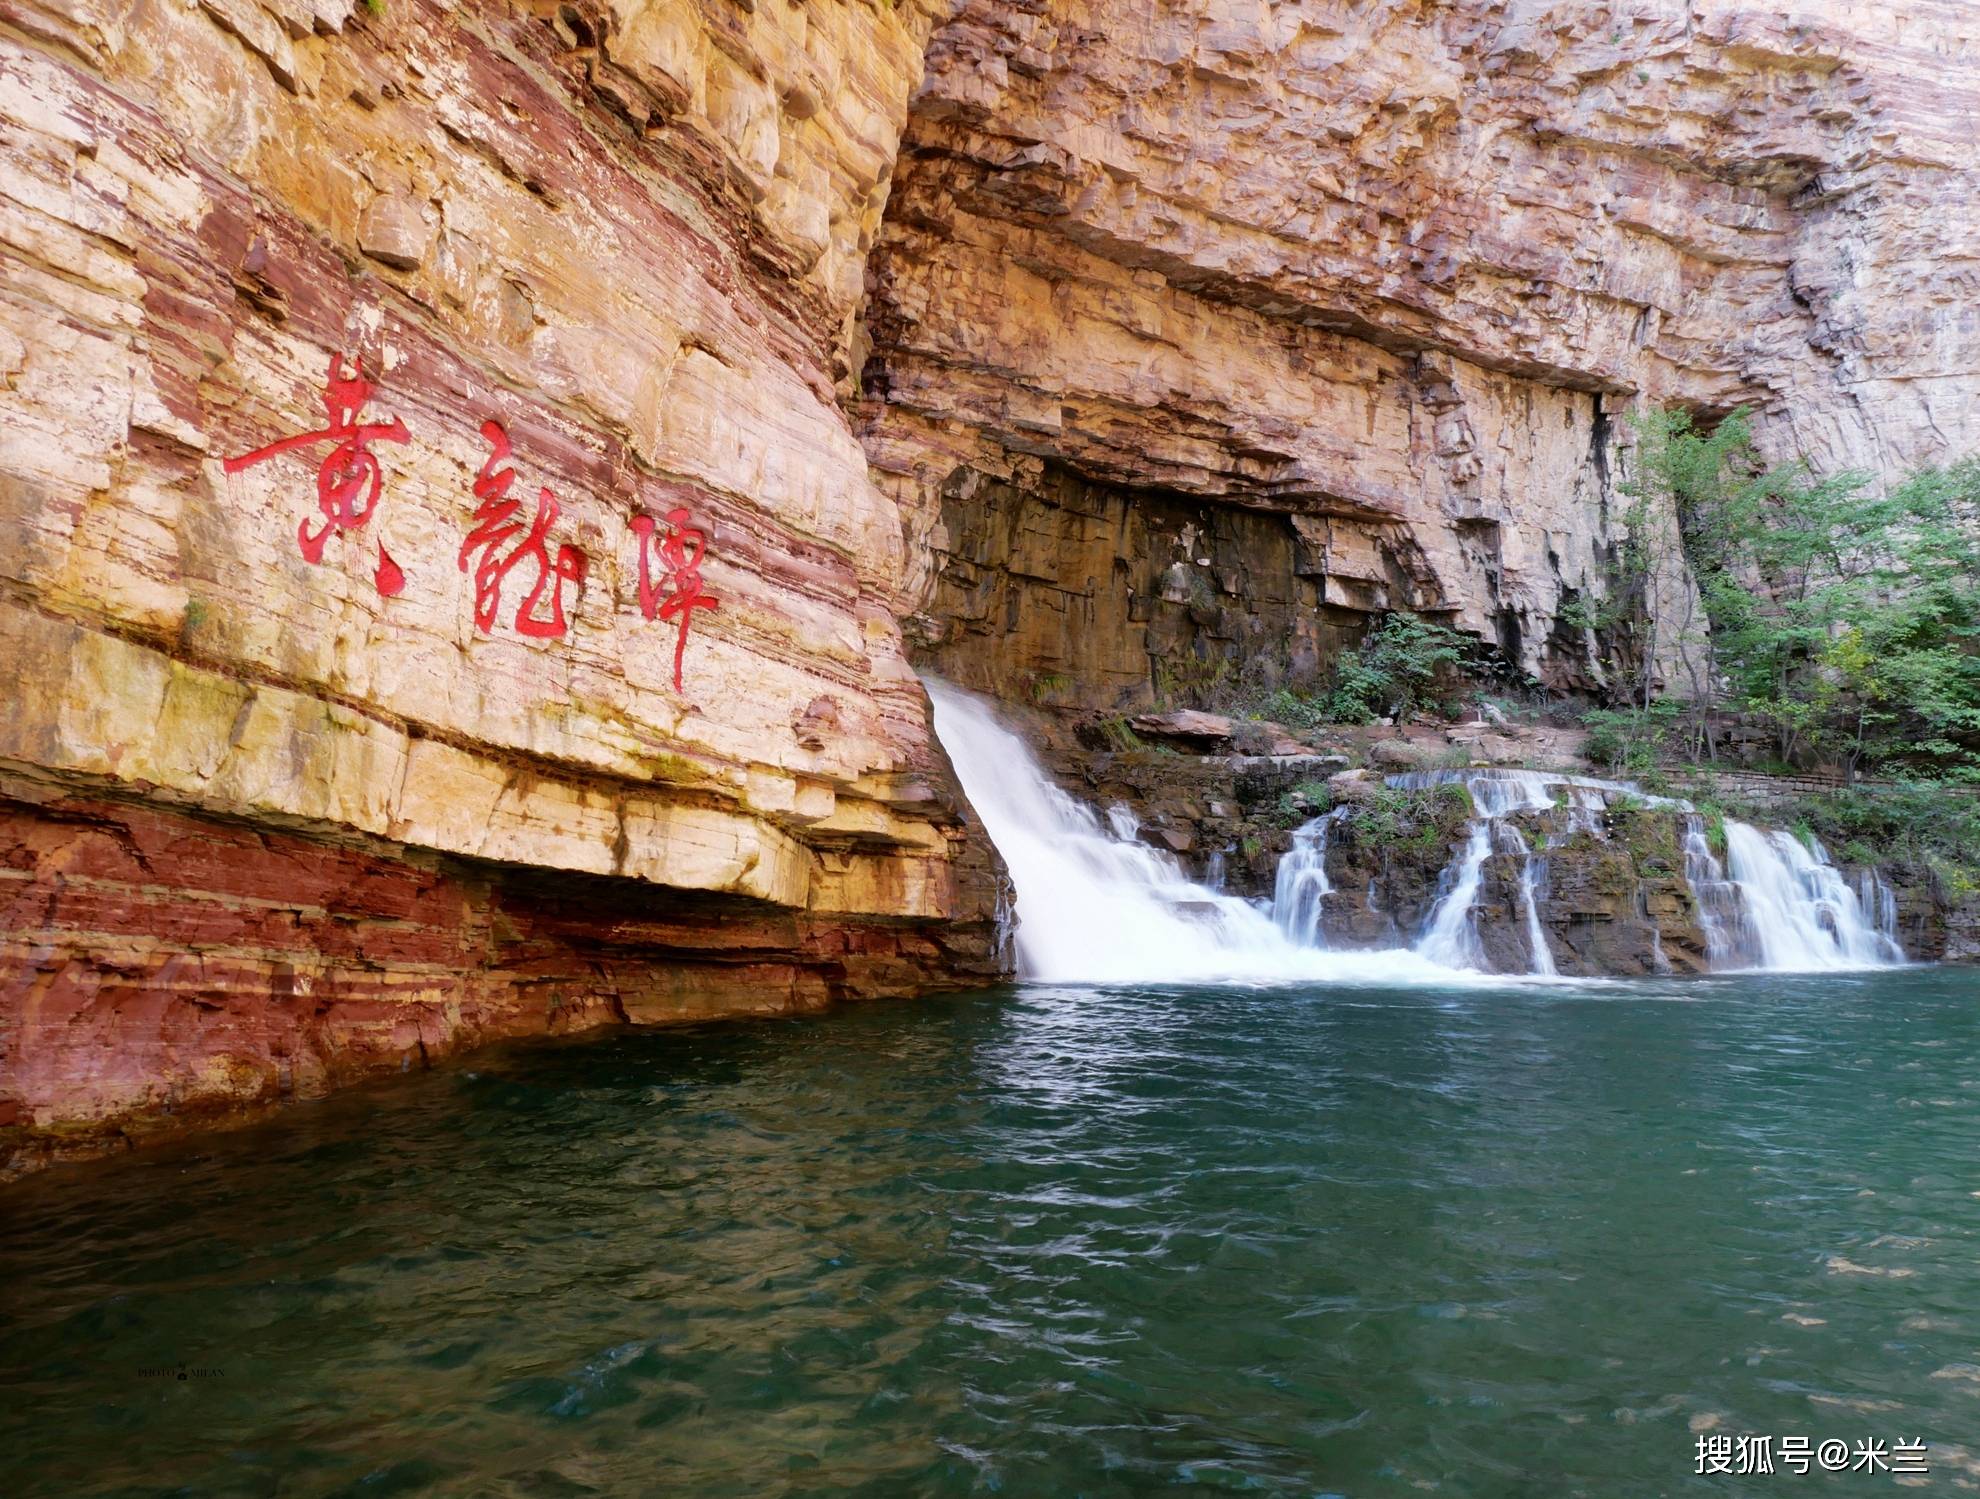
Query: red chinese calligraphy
(349, 477)
(495, 524)
(680, 548)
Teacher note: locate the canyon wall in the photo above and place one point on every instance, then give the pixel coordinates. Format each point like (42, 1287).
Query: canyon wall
(473, 479)
(1391, 276)
(339, 756)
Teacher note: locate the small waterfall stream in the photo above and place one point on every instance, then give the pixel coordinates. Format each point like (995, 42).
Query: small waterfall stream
(1451, 935)
(1508, 839)
(1777, 904)
(1302, 883)
(1095, 904)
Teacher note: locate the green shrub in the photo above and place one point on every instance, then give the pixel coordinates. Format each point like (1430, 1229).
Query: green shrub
(1631, 740)
(1921, 823)
(1396, 817)
(1397, 669)
(1306, 801)
(1294, 710)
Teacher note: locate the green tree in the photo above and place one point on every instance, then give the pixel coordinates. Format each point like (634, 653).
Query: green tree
(1847, 618)
(1397, 669)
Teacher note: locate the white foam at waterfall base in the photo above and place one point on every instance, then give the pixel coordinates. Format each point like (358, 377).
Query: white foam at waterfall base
(1096, 906)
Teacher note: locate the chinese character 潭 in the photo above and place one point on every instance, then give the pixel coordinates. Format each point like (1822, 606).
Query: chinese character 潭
(349, 477)
(679, 593)
(494, 524)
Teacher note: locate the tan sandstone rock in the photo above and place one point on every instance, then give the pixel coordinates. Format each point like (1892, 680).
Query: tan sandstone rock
(1391, 277)
(632, 235)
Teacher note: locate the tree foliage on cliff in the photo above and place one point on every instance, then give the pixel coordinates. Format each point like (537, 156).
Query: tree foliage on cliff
(1405, 663)
(1398, 669)
(1845, 617)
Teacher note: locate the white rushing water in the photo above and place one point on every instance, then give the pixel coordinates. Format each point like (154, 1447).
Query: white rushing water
(1782, 906)
(1721, 912)
(1299, 893)
(1509, 840)
(1450, 936)
(1803, 914)
(1095, 905)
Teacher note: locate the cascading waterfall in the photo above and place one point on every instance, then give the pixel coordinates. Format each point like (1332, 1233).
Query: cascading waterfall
(1451, 933)
(1721, 914)
(1094, 905)
(1302, 883)
(1805, 916)
(1782, 906)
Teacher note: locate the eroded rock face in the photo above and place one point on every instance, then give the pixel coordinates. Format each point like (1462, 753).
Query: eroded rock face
(630, 234)
(1393, 274)
(1194, 335)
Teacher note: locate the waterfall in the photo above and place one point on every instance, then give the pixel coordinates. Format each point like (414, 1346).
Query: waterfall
(1302, 883)
(1095, 905)
(1805, 917)
(1450, 936)
(1782, 906)
(1721, 914)
(1508, 839)
(1879, 904)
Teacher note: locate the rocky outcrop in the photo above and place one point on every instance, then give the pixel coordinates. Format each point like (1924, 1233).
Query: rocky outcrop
(472, 477)
(1387, 278)
(322, 757)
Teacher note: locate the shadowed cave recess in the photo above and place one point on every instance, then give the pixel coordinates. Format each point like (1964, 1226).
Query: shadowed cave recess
(1126, 365)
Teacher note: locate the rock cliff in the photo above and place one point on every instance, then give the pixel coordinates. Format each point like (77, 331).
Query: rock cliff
(474, 478)
(340, 755)
(1389, 277)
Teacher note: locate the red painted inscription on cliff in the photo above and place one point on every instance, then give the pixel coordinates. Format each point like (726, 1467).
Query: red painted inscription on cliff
(679, 592)
(348, 479)
(495, 526)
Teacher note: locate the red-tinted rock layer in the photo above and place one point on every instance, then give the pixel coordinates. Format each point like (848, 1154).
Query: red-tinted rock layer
(165, 969)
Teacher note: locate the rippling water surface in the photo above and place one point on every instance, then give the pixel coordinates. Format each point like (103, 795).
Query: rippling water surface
(1050, 1241)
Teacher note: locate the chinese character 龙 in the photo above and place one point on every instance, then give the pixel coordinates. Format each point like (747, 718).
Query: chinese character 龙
(495, 524)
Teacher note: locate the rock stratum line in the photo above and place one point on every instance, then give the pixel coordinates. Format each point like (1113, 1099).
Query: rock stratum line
(1040, 342)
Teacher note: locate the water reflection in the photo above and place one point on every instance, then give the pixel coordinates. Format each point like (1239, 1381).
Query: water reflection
(1489, 1242)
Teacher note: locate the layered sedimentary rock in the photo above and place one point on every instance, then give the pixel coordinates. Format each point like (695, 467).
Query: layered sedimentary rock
(306, 777)
(1394, 275)
(1169, 344)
